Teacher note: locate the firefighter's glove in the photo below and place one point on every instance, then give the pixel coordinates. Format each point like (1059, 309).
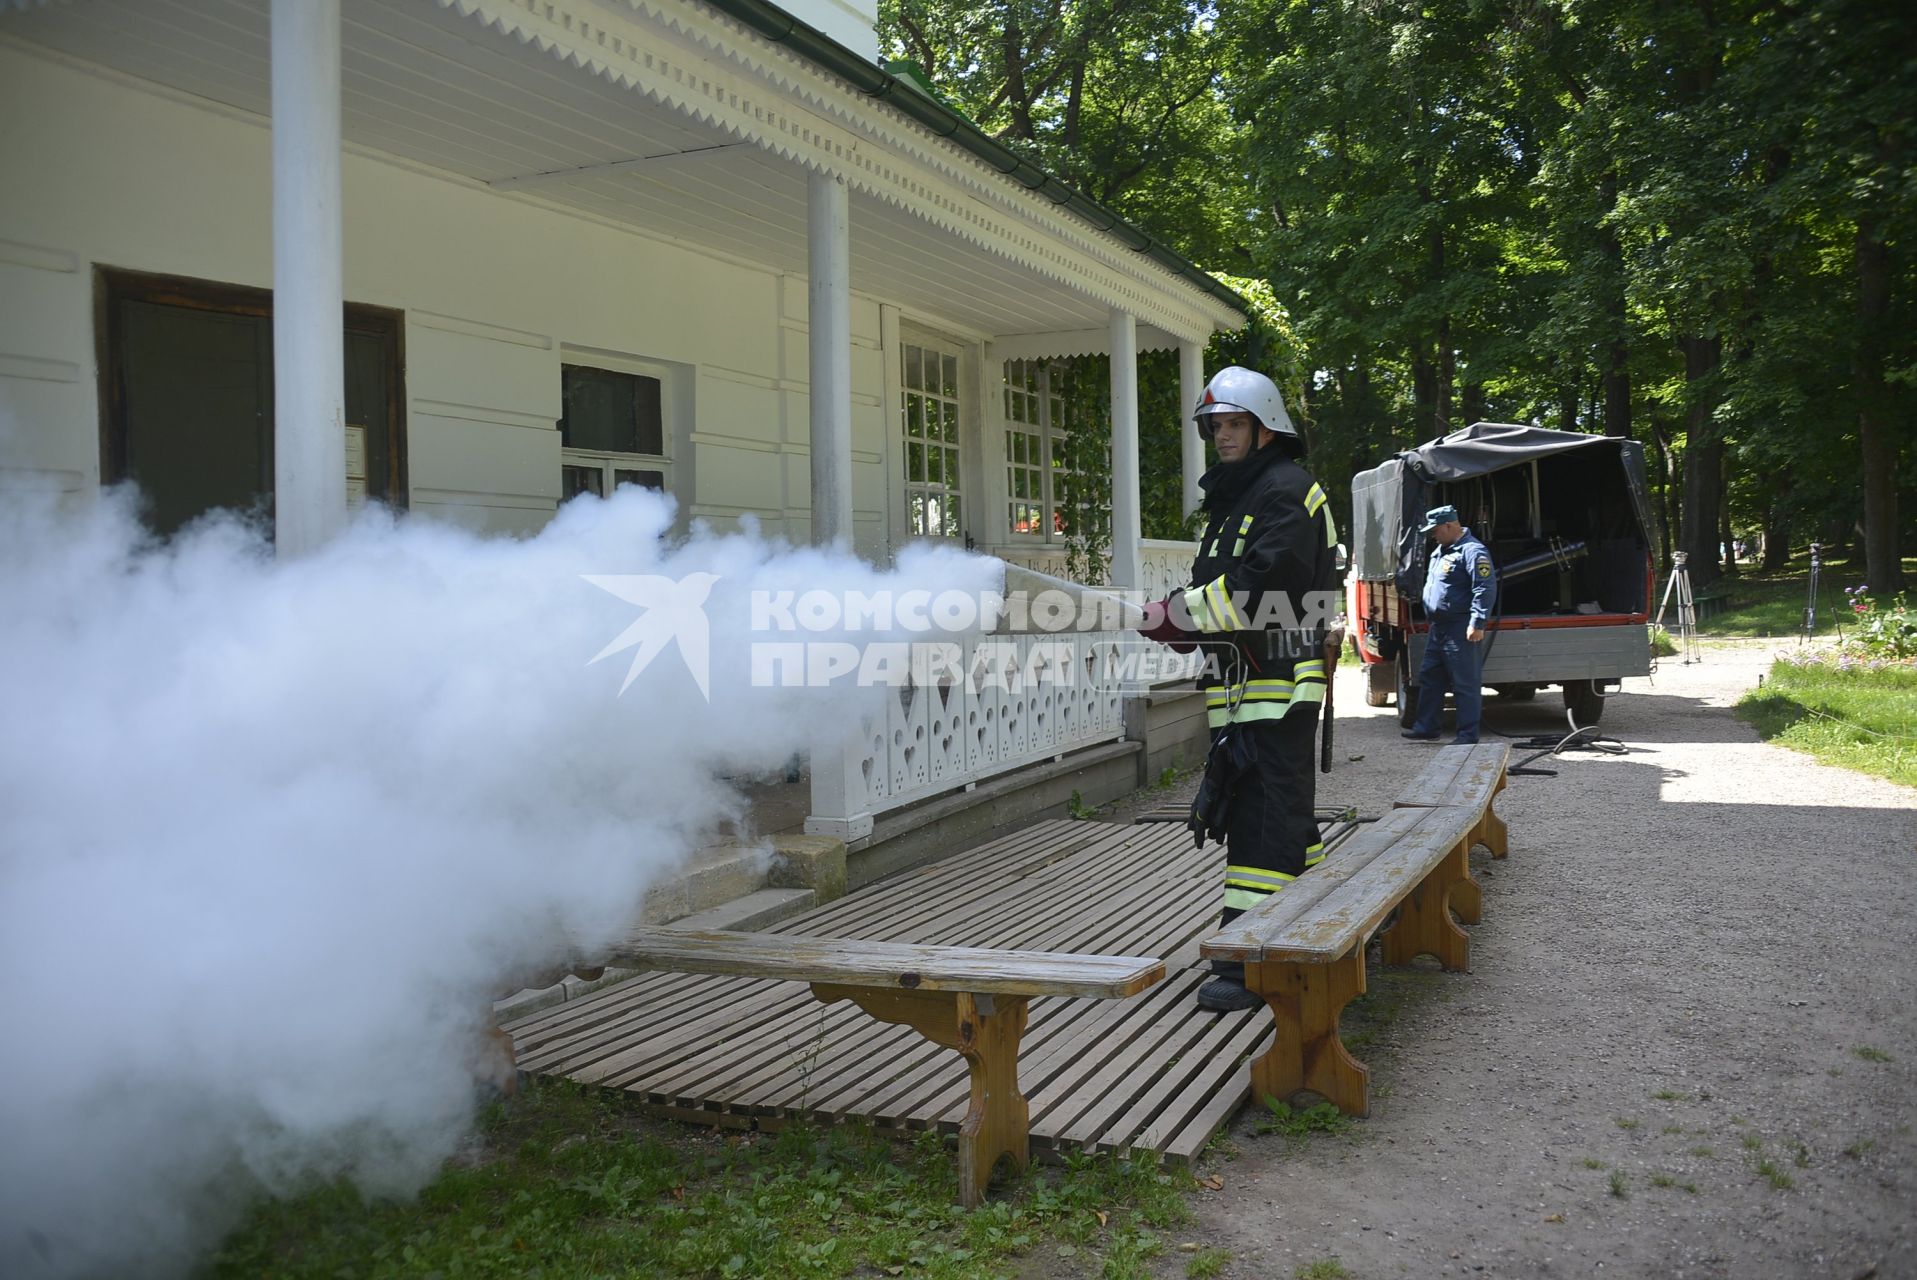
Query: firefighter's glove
(1161, 624)
(1232, 756)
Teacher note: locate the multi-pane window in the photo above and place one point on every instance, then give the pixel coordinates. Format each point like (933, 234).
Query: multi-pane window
(929, 418)
(612, 431)
(1037, 451)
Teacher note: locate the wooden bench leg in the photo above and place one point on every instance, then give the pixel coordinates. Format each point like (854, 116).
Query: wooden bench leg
(1424, 923)
(985, 1030)
(1467, 899)
(1306, 1053)
(1491, 832)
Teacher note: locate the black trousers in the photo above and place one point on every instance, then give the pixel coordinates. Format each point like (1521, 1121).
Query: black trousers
(1271, 834)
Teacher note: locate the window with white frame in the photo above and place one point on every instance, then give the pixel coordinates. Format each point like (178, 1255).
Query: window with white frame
(929, 427)
(612, 431)
(1037, 451)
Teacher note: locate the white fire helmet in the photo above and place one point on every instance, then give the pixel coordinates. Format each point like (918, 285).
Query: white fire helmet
(1236, 390)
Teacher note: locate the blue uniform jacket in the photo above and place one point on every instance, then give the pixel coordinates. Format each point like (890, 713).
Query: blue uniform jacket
(1461, 581)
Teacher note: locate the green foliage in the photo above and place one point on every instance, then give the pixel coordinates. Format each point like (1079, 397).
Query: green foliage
(1206, 1264)
(1859, 715)
(1690, 224)
(1297, 1125)
(571, 1184)
(1321, 1269)
(1879, 632)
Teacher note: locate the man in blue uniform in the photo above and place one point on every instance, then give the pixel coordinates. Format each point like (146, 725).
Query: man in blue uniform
(1460, 587)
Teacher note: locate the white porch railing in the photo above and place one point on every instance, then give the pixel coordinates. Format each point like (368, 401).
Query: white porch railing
(1020, 699)
(1167, 564)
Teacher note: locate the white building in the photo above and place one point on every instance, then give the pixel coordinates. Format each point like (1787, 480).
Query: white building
(710, 247)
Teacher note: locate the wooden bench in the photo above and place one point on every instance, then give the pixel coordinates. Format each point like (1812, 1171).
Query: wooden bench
(1465, 777)
(970, 999)
(1304, 949)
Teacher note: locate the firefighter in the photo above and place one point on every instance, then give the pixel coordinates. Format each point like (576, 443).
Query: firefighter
(1460, 587)
(1262, 589)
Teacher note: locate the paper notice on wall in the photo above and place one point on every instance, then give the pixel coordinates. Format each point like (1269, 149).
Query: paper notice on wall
(355, 466)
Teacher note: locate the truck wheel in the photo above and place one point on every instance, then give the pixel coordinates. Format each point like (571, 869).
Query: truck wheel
(1381, 679)
(1586, 705)
(1407, 693)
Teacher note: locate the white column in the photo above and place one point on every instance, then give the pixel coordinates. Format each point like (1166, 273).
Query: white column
(1128, 568)
(1191, 385)
(829, 317)
(309, 362)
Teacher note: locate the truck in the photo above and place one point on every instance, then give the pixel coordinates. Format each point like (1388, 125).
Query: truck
(1566, 517)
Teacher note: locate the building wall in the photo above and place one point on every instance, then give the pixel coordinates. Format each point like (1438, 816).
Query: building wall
(850, 22)
(496, 292)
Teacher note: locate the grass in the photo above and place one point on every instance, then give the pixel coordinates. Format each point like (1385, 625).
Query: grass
(1299, 1124)
(571, 1182)
(1627, 1122)
(1671, 1095)
(1772, 604)
(1870, 1053)
(1206, 1263)
(1322, 1269)
(1860, 719)
(1591, 1163)
(1620, 1188)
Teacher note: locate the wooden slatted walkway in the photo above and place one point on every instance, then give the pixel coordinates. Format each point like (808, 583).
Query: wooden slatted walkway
(1151, 1073)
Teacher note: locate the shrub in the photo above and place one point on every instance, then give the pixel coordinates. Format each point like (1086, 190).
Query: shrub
(1879, 632)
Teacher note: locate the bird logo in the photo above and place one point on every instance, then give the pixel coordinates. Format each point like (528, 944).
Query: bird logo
(674, 614)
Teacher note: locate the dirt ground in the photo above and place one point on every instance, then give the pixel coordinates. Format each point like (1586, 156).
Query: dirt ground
(1687, 1045)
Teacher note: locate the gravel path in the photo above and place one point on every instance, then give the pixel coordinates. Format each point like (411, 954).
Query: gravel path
(1687, 1045)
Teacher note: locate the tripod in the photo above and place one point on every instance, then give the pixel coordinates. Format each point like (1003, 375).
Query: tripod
(1810, 604)
(1680, 586)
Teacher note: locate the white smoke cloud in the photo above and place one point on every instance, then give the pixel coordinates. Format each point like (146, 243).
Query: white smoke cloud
(272, 835)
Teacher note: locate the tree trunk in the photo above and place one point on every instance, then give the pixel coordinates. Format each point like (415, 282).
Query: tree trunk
(1883, 565)
(1474, 405)
(1703, 462)
(1777, 538)
(1617, 377)
(1725, 537)
(1568, 408)
(1424, 396)
(1667, 475)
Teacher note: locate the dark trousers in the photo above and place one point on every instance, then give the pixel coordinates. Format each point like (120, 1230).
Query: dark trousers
(1450, 660)
(1271, 825)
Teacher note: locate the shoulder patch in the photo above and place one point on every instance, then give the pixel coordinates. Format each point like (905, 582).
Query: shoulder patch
(1484, 568)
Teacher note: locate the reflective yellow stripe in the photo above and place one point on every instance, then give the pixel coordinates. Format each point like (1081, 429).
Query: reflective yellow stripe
(1268, 708)
(1314, 854)
(1199, 610)
(1219, 614)
(1244, 526)
(1244, 899)
(1238, 547)
(1331, 530)
(1314, 498)
(1257, 878)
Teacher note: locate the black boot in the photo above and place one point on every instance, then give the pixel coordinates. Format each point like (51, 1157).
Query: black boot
(1227, 992)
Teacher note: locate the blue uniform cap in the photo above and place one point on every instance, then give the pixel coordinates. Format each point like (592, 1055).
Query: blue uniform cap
(1437, 516)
